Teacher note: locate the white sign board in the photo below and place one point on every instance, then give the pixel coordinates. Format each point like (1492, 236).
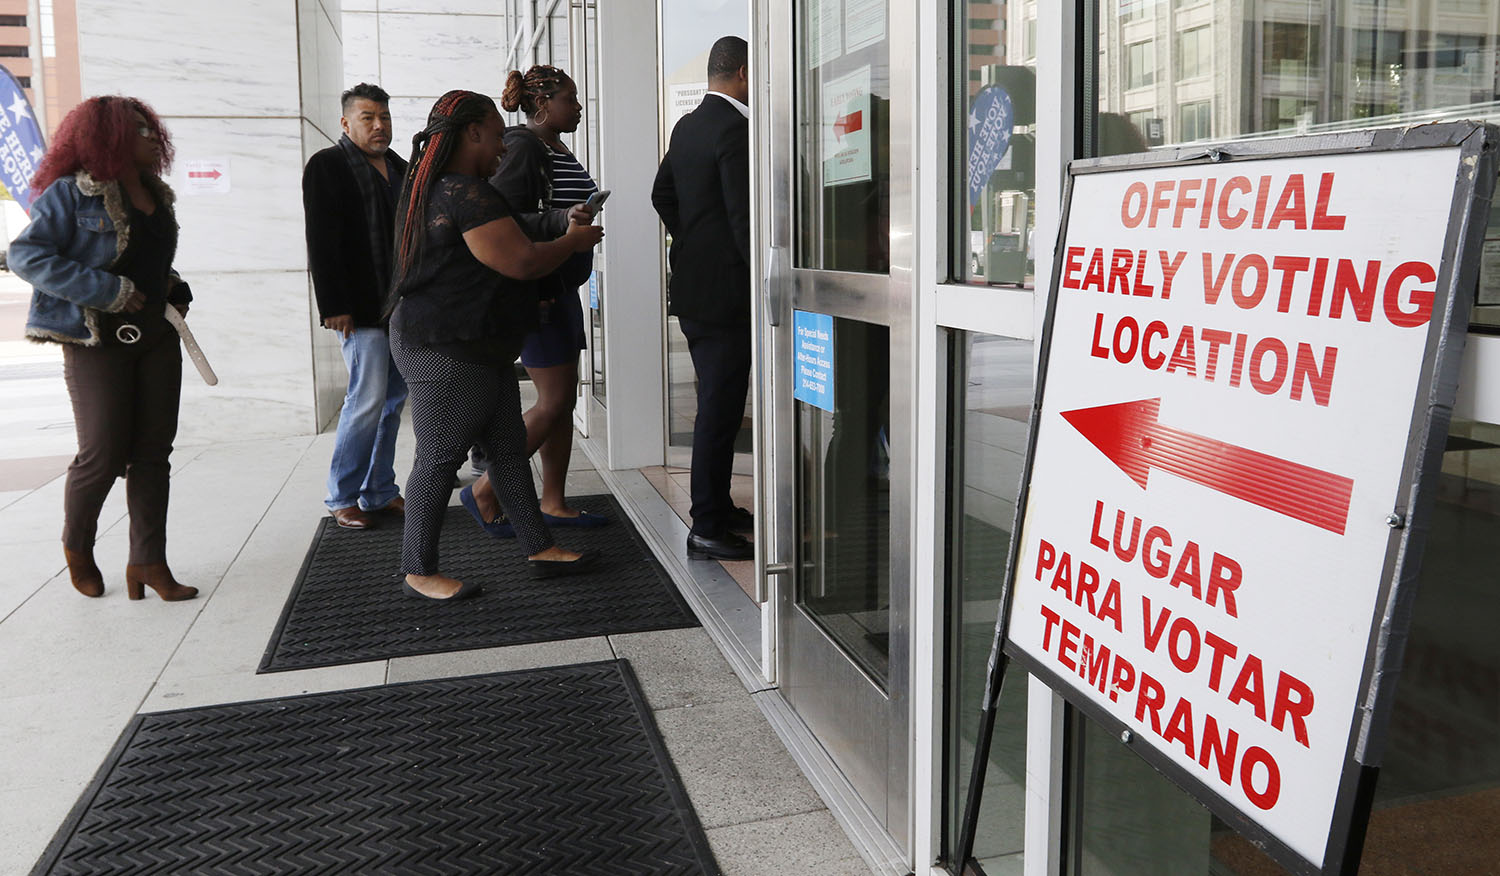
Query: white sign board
(208, 176)
(846, 128)
(1231, 374)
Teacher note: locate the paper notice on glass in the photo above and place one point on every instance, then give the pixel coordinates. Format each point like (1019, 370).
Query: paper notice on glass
(828, 31)
(864, 23)
(684, 98)
(846, 128)
(1489, 273)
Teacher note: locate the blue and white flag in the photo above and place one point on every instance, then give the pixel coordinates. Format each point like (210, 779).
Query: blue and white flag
(991, 120)
(21, 144)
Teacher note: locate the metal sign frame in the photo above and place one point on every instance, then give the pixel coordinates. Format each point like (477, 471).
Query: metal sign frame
(1437, 387)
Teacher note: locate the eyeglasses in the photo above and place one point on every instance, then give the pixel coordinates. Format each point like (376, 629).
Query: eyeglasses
(146, 131)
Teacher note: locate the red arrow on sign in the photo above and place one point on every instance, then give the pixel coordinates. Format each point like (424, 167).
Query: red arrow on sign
(1133, 438)
(848, 124)
(204, 174)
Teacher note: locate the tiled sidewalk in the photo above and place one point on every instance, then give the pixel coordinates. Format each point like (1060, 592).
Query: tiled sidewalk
(76, 670)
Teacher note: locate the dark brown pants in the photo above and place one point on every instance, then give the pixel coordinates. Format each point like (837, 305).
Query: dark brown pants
(125, 408)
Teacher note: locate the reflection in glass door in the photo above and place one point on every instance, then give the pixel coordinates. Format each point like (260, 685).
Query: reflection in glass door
(688, 28)
(844, 502)
(842, 464)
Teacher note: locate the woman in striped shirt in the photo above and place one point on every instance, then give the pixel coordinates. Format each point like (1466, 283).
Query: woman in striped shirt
(539, 173)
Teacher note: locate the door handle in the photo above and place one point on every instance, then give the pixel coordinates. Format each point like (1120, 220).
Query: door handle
(774, 284)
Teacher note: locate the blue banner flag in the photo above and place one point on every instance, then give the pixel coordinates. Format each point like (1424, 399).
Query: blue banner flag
(21, 143)
(991, 120)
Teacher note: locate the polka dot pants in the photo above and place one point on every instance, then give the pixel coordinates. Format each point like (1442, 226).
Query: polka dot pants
(453, 406)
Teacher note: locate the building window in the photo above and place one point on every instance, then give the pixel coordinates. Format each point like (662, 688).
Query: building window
(12, 21)
(990, 393)
(1140, 64)
(1132, 10)
(1194, 53)
(1288, 113)
(1291, 48)
(1195, 121)
(15, 52)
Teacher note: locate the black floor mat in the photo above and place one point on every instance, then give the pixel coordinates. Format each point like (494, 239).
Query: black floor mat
(546, 771)
(347, 605)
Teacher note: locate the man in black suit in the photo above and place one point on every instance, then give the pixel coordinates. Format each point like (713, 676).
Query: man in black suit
(702, 193)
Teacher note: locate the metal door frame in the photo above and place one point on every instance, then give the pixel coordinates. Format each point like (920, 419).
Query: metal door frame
(847, 700)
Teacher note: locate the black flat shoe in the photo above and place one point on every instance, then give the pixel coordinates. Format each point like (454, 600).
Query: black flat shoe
(470, 589)
(726, 546)
(558, 568)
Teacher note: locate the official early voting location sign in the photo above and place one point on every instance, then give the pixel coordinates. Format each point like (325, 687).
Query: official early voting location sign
(1249, 363)
(21, 144)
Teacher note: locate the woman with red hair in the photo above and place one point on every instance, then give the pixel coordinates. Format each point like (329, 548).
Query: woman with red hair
(98, 255)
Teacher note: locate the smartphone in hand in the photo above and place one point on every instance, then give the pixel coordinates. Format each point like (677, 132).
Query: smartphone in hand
(597, 199)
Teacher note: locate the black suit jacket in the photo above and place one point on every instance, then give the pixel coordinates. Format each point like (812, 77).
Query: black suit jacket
(702, 193)
(338, 239)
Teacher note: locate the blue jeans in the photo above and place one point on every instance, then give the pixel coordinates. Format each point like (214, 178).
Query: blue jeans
(364, 450)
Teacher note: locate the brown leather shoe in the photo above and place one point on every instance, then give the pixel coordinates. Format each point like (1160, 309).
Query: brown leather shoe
(352, 518)
(159, 578)
(87, 579)
(395, 507)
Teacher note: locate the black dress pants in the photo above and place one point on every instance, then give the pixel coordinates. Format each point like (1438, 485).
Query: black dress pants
(125, 399)
(721, 360)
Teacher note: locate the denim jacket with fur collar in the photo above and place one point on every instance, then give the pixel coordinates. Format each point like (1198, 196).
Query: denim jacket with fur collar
(79, 229)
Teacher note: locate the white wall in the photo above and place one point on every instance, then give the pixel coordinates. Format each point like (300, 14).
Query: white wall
(418, 49)
(245, 82)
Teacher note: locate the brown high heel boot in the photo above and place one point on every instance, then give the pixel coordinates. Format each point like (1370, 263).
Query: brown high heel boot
(87, 579)
(159, 578)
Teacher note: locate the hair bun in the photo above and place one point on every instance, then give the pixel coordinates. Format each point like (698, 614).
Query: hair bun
(515, 90)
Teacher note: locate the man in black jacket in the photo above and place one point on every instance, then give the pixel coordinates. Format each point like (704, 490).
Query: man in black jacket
(702, 192)
(349, 194)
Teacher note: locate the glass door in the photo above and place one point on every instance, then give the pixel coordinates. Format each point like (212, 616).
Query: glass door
(835, 343)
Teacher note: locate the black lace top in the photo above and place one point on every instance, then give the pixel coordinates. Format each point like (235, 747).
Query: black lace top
(147, 260)
(451, 296)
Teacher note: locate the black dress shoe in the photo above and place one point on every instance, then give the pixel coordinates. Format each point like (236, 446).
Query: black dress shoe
(558, 568)
(740, 520)
(725, 546)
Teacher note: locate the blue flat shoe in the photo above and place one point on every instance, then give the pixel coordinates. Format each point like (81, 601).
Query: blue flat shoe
(499, 529)
(584, 520)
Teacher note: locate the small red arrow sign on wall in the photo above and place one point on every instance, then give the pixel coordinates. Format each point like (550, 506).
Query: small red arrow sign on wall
(848, 124)
(204, 174)
(1133, 438)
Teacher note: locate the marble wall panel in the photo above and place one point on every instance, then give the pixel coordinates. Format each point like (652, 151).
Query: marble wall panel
(462, 7)
(329, 377)
(361, 48)
(408, 116)
(210, 57)
(322, 72)
(253, 328)
(257, 224)
(431, 54)
(335, 12)
(359, 5)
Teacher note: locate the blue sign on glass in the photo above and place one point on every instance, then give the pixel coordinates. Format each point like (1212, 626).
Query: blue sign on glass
(21, 143)
(813, 343)
(991, 120)
(594, 290)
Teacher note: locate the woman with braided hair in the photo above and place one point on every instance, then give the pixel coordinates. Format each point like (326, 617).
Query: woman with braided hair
(461, 308)
(539, 173)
